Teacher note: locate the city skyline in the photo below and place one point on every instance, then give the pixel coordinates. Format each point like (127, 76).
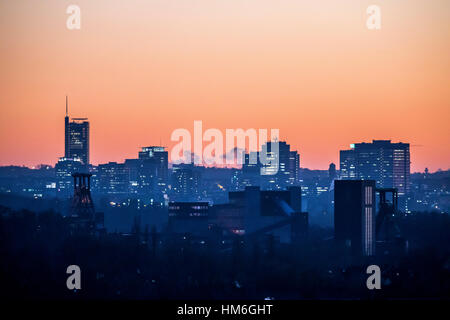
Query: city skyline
(80, 130)
(140, 73)
(225, 158)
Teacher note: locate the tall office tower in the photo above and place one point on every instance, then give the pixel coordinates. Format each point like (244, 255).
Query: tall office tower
(76, 138)
(154, 167)
(385, 162)
(285, 164)
(354, 215)
(159, 157)
(347, 163)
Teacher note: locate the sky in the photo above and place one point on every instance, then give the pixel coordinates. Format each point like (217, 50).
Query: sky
(140, 69)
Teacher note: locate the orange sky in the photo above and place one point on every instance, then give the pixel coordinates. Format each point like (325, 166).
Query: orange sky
(139, 69)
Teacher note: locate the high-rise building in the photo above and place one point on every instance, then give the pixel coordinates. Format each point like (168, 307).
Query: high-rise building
(76, 138)
(347, 164)
(159, 158)
(154, 170)
(354, 215)
(282, 168)
(385, 162)
(64, 169)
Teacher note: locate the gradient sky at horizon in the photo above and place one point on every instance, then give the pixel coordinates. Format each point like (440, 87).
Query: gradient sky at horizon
(139, 69)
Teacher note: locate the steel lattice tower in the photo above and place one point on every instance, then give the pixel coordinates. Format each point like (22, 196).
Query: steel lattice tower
(82, 211)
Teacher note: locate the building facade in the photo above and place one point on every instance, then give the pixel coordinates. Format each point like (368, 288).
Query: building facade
(385, 162)
(64, 169)
(279, 169)
(354, 215)
(77, 139)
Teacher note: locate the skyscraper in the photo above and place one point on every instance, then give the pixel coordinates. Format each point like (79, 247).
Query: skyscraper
(347, 163)
(76, 138)
(385, 162)
(285, 164)
(155, 167)
(149, 174)
(354, 215)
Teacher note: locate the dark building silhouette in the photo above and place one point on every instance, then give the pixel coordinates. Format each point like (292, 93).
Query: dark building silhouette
(252, 214)
(189, 217)
(82, 204)
(299, 227)
(387, 209)
(389, 238)
(354, 215)
(82, 214)
(76, 138)
(267, 212)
